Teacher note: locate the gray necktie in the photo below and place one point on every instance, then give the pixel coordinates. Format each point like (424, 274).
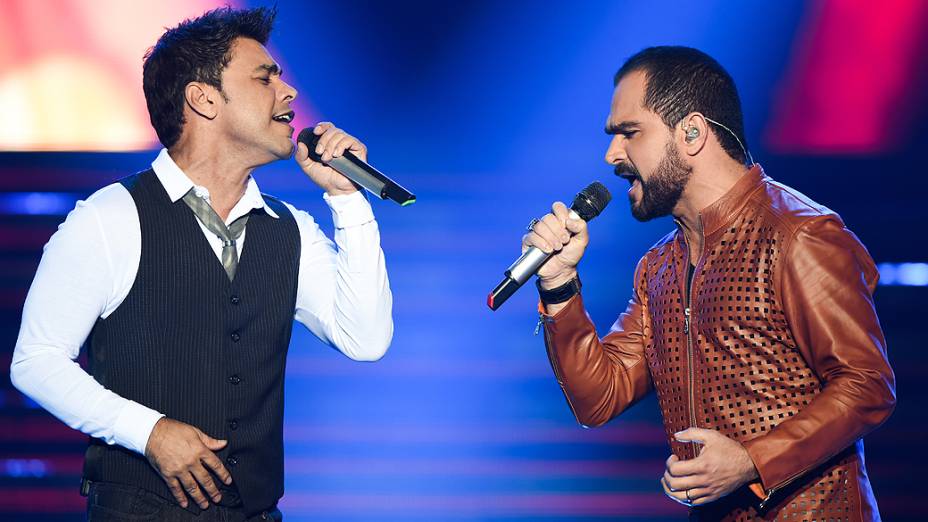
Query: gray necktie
(229, 235)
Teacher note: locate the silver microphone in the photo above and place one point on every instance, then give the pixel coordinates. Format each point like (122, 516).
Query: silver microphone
(587, 205)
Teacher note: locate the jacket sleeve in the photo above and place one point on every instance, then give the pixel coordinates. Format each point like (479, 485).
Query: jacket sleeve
(600, 378)
(827, 285)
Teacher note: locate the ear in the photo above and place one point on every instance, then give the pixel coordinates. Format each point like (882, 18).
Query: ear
(692, 133)
(201, 98)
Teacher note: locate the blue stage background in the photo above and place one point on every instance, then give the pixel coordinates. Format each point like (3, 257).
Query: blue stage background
(489, 111)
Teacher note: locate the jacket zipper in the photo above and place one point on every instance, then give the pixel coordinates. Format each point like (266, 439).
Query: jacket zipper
(554, 365)
(691, 372)
(687, 319)
(771, 491)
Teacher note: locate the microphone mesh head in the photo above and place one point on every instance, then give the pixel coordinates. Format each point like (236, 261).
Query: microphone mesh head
(591, 201)
(309, 139)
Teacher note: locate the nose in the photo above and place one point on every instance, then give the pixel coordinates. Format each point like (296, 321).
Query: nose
(288, 92)
(615, 154)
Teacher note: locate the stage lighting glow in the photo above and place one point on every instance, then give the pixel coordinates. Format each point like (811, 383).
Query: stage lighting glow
(37, 203)
(24, 468)
(850, 92)
(97, 113)
(903, 274)
(71, 71)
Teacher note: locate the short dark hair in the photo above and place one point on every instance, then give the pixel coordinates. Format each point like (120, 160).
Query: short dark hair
(681, 80)
(195, 51)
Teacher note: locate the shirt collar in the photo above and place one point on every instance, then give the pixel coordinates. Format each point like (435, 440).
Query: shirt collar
(177, 184)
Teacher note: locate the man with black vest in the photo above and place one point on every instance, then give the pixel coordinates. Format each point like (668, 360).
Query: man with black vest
(187, 329)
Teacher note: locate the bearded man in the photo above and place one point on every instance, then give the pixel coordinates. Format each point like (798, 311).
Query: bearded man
(753, 320)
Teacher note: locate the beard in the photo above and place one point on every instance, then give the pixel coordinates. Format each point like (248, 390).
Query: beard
(661, 192)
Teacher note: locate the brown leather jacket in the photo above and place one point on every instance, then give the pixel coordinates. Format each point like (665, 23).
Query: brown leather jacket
(777, 346)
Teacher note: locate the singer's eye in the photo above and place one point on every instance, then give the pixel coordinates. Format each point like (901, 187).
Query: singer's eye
(265, 81)
(628, 134)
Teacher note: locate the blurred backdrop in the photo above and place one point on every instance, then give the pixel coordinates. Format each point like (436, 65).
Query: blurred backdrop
(489, 111)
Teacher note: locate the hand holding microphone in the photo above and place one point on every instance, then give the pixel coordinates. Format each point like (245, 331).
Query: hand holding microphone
(328, 142)
(563, 235)
(554, 244)
(338, 163)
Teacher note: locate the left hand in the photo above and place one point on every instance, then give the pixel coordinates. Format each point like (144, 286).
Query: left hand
(333, 142)
(722, 466)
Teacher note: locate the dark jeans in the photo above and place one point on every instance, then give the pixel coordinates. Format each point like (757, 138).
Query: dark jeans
(108, 502)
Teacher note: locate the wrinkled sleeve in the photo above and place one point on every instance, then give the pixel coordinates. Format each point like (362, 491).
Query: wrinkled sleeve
(73, 286)
(600, 377)
(343, 294)
(827, 285)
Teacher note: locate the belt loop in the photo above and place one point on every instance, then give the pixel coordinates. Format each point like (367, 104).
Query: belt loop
(85, 487)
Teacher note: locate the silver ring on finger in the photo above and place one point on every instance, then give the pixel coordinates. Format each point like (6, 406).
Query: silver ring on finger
(531, 224)
(688, 499)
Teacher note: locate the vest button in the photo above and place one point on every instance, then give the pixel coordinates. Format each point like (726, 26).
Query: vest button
(233, 424)
(235, 337)
(232, 461)
(235, 379)
(235, 299)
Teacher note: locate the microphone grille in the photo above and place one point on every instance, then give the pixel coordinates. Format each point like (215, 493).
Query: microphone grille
(591, 201)
(308, 138)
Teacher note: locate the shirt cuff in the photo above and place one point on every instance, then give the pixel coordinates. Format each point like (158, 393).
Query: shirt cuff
(134, 426)
(349, 210)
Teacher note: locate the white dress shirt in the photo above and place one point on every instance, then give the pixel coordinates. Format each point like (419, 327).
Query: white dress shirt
(90, 264)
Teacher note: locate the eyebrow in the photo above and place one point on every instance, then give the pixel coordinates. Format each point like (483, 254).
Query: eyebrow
(621, 128)
(271, 68)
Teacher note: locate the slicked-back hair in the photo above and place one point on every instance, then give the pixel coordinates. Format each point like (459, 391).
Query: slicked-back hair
(196, 50)
(681, 80)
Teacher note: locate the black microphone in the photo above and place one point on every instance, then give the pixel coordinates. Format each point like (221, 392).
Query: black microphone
(586, 206)
(357, 170)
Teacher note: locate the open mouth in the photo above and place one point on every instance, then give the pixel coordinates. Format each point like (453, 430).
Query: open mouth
(286, 117)
(628, 176)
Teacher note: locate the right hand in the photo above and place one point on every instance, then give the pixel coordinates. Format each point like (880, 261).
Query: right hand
(183, 456)
(333, 142)
(559, 233)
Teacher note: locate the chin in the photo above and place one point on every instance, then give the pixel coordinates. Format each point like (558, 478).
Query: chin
(640, 215)
(283, 152)
(290, 150)
(640, 212)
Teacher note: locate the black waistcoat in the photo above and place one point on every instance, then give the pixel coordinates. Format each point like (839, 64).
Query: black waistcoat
(201, 349)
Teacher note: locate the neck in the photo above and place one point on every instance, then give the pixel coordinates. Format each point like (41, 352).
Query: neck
(706, 186)
(222, 174)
